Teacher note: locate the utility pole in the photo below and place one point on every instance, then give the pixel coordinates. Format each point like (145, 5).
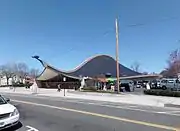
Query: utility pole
(117, 54)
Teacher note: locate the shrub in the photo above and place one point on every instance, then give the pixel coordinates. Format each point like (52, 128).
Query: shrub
(28, 84)
(162, 93)
(94, 89)
(18, 84)
(5, 85)
(90, 88)
(107, 91)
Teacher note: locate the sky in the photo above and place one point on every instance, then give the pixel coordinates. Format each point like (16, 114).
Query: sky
(66, 32)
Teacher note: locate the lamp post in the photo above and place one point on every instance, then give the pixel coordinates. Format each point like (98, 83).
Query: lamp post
(0, 79)
(35, 86)
(64, 79)
(37, 58)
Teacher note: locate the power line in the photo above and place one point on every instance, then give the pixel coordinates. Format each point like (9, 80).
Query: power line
(151, 22)
(107, 32)
(91, 40)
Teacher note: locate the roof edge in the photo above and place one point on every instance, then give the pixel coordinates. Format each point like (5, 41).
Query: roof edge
(59, 72)
(86, 61)
(80, 65)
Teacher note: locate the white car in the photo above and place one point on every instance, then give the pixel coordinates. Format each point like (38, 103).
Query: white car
(9, 115)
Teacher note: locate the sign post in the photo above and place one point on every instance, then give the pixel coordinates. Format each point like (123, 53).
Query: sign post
(64, 79)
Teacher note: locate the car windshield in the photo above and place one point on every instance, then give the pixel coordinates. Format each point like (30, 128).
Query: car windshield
(2, 100)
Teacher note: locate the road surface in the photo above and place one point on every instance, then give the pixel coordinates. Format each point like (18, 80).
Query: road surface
(60, 114)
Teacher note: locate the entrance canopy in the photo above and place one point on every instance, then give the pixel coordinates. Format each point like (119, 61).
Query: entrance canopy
(50, 73)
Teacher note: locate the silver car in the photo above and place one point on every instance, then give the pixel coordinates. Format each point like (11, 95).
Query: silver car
(171, 84)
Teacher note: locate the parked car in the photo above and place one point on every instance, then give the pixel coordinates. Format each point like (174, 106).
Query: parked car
(171, 84)
(139, 84)
(153, 84)
(158, 83)
(9, 115)
(144, 84)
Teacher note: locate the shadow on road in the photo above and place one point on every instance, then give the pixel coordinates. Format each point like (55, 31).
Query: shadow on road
(14, 128)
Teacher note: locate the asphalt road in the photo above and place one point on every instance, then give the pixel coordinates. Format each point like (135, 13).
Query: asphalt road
(60, 114)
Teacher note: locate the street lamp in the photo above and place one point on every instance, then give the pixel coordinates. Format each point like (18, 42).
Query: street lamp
(37, 58)
(64, 79)
(0, 81)
(35, 86)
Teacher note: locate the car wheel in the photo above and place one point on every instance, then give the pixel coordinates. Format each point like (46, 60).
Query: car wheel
(164, 87)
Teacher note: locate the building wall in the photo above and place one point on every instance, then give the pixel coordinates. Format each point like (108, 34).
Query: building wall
(3, 80)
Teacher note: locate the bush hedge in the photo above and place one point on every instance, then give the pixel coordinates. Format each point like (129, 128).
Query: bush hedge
(94, 89)
(90, 88)
(18, 84)
(4, 85)
(162, 93)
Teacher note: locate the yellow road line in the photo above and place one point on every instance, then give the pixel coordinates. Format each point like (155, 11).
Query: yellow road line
(102, 115)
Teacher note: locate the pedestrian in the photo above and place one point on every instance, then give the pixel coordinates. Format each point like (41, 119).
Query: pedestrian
(59, 87)
(14, 88)
(148, 86)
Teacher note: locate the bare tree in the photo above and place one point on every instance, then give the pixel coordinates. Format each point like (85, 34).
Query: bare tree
(173, 63)
(21, 70)
(135, 66)
(34, 72)
(7, 71)
(17, 69)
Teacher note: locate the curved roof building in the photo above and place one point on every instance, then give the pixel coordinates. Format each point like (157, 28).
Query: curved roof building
(101, 64)
(97, 65)
(93, 67)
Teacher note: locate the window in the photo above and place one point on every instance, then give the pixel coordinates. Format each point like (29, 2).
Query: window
(170, 81)
(164, 81)
(2, 100)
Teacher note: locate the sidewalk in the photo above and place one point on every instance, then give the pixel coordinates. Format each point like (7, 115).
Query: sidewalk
(119, 98)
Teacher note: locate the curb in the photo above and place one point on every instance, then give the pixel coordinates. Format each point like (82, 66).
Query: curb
(172, 105)
(159, 104)
(96, 94)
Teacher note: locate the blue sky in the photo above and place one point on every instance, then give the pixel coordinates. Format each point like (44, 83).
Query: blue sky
(66, 32)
